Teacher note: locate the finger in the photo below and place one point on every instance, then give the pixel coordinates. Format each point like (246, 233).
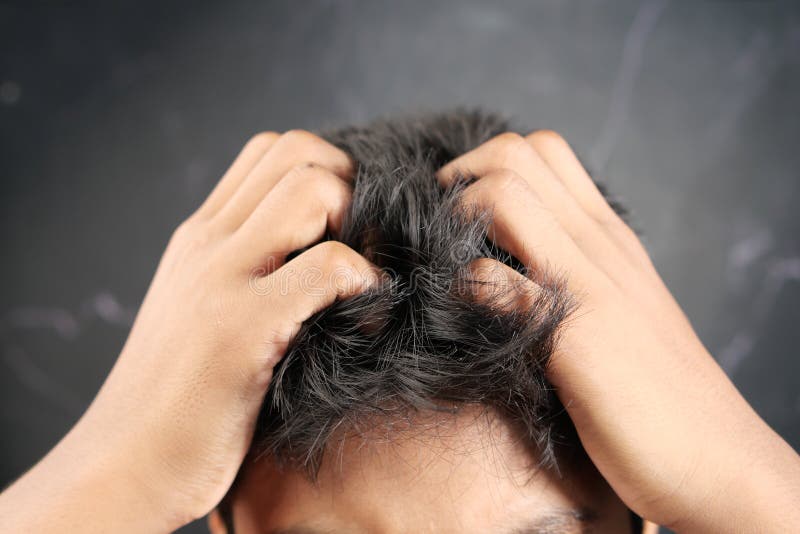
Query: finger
(292, 149)
(314, 280)
(247, 159)
(649, 289)
(506, 151)
(524, 227)
(297, 212)
(512, 151)
(555, 151)
(560, 157)
(498, 285)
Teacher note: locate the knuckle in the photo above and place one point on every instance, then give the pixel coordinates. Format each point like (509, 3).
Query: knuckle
(501, 187)
(307, 172)
(509, 143)
(300, 175)
(317, 181)
(609, 219)
(483, 194)
(624, 233)
(298, 137)
(191, 234)
(333, 253)
(548, 137)
(263, 138)
(184, 230)
(301, 145)
(628, 235)
(488, 270)
(511, 139)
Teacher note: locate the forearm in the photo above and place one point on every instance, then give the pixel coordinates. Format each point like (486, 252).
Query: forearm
(79, 488)
(759, 492)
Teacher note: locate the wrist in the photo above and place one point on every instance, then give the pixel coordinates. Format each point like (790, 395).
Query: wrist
(118, 470)
(754, 491)
(86, 485)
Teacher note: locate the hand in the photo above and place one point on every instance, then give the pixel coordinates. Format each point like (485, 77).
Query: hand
(162, 442)
(656, 414)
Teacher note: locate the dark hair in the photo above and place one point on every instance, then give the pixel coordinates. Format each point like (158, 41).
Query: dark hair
(420, 341)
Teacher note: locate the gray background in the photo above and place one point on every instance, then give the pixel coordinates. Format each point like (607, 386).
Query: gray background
(116, 122)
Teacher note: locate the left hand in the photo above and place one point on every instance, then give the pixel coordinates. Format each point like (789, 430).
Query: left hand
(656, 414)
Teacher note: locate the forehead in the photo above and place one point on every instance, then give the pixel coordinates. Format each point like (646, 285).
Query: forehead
(465, 473)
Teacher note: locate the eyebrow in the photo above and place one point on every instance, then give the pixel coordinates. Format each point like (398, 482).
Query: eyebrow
(572, 521)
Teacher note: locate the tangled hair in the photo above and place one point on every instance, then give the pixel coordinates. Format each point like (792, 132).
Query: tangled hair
(419, 341)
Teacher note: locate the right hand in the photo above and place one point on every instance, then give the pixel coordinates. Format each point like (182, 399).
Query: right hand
(173, 421)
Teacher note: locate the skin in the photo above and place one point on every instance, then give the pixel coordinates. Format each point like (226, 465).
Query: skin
(169, 429)
(468, 474)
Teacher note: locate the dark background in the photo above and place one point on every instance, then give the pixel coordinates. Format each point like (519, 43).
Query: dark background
(115, 122)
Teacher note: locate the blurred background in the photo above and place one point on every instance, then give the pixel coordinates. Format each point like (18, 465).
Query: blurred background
(117, 118)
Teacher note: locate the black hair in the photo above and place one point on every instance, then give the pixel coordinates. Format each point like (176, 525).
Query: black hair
(419, 341)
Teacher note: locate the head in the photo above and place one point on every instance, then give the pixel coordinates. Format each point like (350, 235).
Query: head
(421, 405)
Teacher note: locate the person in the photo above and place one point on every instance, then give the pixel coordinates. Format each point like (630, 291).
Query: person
(419, 381)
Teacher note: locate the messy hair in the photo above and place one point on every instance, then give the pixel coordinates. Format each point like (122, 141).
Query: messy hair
(419, 341)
